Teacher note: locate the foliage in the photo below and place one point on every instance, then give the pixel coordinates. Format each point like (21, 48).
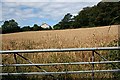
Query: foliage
(36, 27)
(64, 23)
(26, 28)
(114, 55)
(102, 14)
(10, 26)
(0, 30)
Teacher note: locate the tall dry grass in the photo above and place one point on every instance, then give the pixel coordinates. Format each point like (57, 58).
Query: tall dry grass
(73, 38)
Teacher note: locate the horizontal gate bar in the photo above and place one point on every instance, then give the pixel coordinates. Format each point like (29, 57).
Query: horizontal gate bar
(52, 64)
(59, 50)
(67, 72)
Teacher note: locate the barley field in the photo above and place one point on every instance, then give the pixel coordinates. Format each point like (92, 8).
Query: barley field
(69, 38)
(85, 37)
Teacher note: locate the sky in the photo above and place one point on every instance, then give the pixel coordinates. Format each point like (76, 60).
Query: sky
(38, 11)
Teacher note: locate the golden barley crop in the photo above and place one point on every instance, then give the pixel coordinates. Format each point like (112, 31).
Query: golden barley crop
(70, 38)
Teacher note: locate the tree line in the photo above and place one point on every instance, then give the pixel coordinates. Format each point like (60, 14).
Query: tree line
(11, 26)
(102, 14)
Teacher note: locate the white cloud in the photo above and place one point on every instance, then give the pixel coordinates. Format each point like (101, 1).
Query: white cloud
(42, 10)
(51, 0)
(0, 11)
(59, 0)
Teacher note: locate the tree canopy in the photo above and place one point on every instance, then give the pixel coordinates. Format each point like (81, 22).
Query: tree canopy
(102, 14)
(36, 27)
(10, 26)
(26, 28)
(65, 22)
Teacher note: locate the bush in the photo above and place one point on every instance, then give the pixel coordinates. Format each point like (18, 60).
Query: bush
(114, 55)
